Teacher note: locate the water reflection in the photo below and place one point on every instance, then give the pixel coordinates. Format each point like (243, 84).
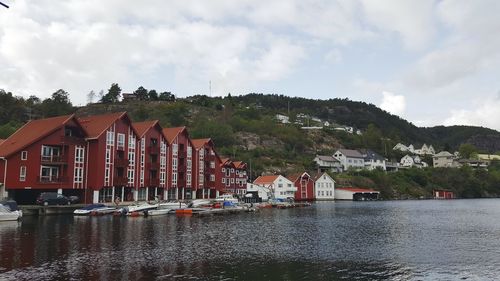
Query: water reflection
(421, 240)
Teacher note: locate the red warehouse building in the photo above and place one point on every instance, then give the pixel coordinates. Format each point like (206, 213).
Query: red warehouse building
(151, 163)
(305, 186)
(111, 151)
(207, 169)
(44, 155)
(234, 176)
(179, 164)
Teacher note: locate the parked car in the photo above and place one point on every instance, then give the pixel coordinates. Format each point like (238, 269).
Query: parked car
(52, 198)
(74, 199)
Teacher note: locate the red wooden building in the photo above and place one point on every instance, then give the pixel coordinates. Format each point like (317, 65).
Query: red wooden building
(234, 176)
(151, 164)
(179, 164)
(44, 155)
(305, 186)
(207, 169)
(443, 194)
(112, 146)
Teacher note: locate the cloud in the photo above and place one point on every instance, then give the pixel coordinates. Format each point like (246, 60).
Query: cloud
(333, 56)
(485, 114)
(395, 104)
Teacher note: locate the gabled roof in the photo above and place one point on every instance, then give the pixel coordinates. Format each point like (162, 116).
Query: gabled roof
(198, 143)
(351, 153)
(319, 175)
(294, 177)
(442, 154)
(227, 162)
(240, 164)
(327, 158)
(96, 125)
(171, 133)
(265, 179)
(32, 132)
(143, 127)
(1, 140)
(371, 155)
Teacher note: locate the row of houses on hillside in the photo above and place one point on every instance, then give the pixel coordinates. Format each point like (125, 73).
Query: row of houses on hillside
(345, 159)
(314, 123)
(445, 159)
(424, 150)
(103, 157)
(304, 187)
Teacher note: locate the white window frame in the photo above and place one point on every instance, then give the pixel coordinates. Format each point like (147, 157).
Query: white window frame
(24, 155)
(22, 173)
(120, 140)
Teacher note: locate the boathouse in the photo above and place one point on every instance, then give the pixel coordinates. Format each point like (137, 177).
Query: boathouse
(355, 194)
(443, 194)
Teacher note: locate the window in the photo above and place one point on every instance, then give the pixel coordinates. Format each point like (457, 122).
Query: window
(212, 165)
(49, 173)
(223, 170)
(232, 170)
(78, 175)
(232, 180)
(131, 141)
(223, 180)
(79, 154)
(22, 173)
(212, 177)
(280, 185)
(121, 140)
(110, 138)
(24, 155)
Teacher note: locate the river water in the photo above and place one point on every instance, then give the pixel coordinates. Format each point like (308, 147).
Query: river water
(395, 240)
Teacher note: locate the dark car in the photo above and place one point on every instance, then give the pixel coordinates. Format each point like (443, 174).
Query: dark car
(52, 198)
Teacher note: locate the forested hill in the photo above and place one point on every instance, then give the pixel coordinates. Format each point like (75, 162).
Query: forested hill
(245, 126)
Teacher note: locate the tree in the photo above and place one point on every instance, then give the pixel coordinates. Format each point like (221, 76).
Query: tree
(141, 93)
(166, 96)
(113, 94)
(91, 96)
(57, 104)
(467, 150)
(153, 95)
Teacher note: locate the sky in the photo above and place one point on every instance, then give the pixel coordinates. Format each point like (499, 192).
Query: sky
(430, 62)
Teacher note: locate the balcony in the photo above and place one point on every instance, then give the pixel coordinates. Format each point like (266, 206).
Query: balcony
(72, 140)
(120, 181)
(153, 149)
(154, 165)
(154, 182)
(54, 159)
(121, 162)
(52, 180)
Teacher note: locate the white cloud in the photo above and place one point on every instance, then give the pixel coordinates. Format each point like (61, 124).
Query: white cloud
(333, 56)
(487, 114)
(395, 104)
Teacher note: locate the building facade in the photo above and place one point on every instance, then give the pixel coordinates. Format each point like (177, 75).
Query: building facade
(180, 164)
(305, 186)
(324, 187)
(280, 187)
(350, 159)
(207, 169)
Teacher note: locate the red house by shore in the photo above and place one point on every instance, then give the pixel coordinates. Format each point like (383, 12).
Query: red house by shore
(151, 164)
(443, 194)
(179, 164)
(234, 176)
(44, 155)
(305, 186)
(207, 169)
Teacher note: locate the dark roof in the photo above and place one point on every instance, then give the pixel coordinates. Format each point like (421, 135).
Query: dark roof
(351, 153)
(327, 158)
(369, 154)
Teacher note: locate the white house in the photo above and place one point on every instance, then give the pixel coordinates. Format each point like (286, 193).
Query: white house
(444, 159)
(373, 160)
(263, 192)
(282, 119)
(280, 187)
(412, 161)
(328, 163)
(350, 158)
(324, 187)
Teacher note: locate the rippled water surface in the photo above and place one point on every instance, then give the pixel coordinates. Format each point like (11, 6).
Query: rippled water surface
(398, 240)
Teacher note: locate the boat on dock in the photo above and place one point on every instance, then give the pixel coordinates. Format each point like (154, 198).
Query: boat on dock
(227, 197)
(158, 212)
(171, 205)
(87, 209)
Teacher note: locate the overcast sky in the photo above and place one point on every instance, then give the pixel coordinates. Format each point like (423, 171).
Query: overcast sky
(430, 62)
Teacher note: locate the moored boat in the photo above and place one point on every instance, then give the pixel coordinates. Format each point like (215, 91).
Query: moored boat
(159, 212)
(227, 197)
(87, 209)
(172, 205)
(103, 211)
(7, 214)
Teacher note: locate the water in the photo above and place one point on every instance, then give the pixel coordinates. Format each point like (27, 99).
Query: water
(396, 240)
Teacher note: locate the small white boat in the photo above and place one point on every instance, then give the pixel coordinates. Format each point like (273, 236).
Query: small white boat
(172, 205)
(87, 209)
(159, 212)
(227, 198)
(199, 203)
(102, 211)
(6, 214)
(142, 207)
